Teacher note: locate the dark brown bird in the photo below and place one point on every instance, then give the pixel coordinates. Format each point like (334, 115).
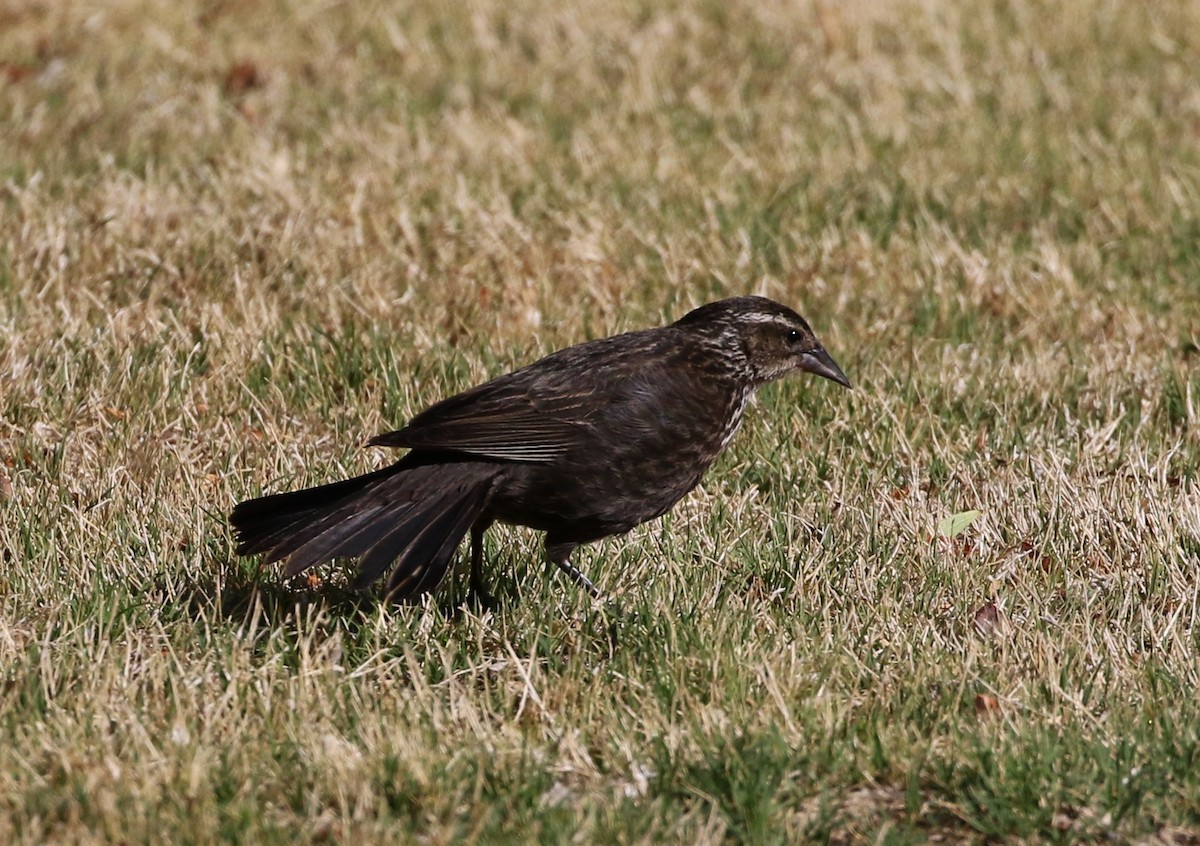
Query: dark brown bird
(583, 444)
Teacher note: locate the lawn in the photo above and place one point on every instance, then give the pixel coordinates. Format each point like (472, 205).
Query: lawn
(239, 238)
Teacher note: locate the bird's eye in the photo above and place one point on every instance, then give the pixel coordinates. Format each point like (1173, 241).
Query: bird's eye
(793, 336)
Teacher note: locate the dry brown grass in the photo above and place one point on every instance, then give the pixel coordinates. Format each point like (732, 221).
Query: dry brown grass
(237, 238)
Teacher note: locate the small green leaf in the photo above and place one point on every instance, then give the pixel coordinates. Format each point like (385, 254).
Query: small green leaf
(956, 524)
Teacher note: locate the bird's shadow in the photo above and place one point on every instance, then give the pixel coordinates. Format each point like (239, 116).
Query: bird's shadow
(233, 592)
(254, 598)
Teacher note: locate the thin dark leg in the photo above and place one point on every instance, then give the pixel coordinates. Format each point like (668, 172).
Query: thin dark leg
(611, 616)
(560, 554)
(479, 592)
(579, 578)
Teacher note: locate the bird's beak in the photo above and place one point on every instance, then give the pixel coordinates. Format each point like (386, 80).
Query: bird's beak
(819, 362)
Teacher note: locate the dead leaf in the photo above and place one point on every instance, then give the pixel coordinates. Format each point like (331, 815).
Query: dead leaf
(14, 72)
(241, 77)
(986, 706)
(964, 546)
(988, 619)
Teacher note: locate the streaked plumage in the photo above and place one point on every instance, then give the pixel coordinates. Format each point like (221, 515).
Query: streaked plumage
(586, 443)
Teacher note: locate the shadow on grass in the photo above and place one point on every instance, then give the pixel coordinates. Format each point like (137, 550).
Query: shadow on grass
(248, 594)
(235, 593)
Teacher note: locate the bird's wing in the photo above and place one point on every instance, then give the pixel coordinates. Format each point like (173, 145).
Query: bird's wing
(506, 419)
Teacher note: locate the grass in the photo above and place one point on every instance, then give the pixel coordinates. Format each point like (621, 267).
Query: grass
(239, 238)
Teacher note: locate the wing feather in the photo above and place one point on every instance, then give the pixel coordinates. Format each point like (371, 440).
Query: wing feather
(538, 413)
(505, 419)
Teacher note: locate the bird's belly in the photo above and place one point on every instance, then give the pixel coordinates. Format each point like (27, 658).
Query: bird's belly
(591, 502)
(632, 462)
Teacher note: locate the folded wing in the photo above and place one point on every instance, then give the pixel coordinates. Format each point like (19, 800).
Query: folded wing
(501, 420)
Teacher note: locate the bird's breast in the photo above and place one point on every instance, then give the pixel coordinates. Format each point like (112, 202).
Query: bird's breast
(733, 416)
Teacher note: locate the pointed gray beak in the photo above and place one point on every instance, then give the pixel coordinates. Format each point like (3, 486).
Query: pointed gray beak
(819, 362)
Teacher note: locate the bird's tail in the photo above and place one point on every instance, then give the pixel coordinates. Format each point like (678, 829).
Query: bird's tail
(413, 514)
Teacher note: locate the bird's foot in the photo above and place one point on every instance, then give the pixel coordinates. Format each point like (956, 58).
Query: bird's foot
(609, 622)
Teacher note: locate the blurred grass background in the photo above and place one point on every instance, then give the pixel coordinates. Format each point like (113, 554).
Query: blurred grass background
(237, 238)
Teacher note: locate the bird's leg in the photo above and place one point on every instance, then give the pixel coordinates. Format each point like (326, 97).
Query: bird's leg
(560, 555)
(479, 594)
(579, 578)
(611, 615)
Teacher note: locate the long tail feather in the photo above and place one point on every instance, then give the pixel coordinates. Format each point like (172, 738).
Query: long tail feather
(257, 520)
(339, 536)
(415, 512)
(423, 562)
(399, 537)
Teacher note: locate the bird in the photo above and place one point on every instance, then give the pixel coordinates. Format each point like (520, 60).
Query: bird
(584, 444)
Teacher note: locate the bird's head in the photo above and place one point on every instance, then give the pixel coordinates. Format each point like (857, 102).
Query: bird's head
(769, 339)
